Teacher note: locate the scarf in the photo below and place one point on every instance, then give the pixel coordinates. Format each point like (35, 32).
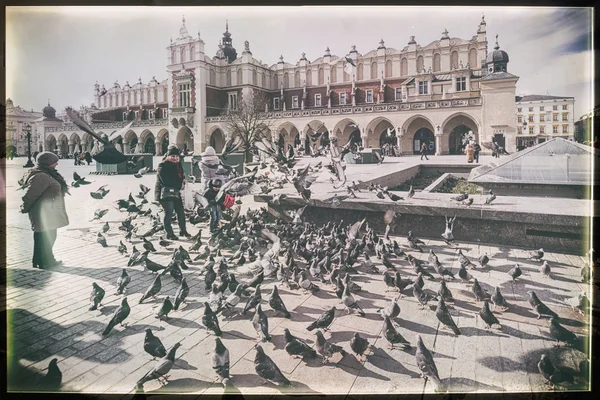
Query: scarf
(179, 168)
(54, 174)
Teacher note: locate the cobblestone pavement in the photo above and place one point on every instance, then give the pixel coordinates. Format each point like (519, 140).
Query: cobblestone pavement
(48, 317)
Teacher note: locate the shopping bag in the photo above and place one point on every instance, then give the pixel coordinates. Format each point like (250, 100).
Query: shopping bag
(188, 198)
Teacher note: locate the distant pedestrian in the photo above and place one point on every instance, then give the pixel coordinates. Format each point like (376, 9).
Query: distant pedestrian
(170, 181)
(424, 151)
(88, 157)
(44, 201)
(470, 152)
(477, 148)
(76, 158)
(496, 151)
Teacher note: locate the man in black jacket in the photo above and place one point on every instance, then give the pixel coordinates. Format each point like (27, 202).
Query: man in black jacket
(170, 180)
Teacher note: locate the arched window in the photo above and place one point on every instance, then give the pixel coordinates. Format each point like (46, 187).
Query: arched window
(192, 51)
(117, 100)
(239, 77)
(262, 79)
(388, 68)
(309, 78)
(321, 76)
(360, 72)
(473, 58)
(228, 77)
(155, 95)
(182, 54)
(213, 77)
(286, 80)
(173, 60)
(346, 75)
(404, 67)
(373, 70)
(275, 83)
(454, 60)
(254, 77)
(333, 72)
(420, 63)
(437, 66)
(297, 79)
(165, 95)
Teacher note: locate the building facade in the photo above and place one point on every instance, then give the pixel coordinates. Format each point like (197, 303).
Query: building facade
(584, 127)
(438, 93)
(16, 120)
(542, 117)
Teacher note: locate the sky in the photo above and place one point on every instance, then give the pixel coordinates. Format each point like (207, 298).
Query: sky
(58, 53)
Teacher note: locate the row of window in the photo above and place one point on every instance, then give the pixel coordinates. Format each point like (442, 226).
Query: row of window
(542, 118)
(183, 55)
(163, 113)
(120, 100)
(542, 108)
(555, 129)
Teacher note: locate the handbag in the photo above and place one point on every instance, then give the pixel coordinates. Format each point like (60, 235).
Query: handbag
(168, 193)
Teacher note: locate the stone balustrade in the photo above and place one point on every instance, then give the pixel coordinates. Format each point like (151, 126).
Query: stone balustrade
(98, 126)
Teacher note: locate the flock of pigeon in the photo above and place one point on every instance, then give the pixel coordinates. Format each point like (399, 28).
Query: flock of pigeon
(253, 250)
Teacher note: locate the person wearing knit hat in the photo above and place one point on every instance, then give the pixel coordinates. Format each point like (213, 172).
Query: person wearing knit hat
(209, 164)
(170, 180)
(44, 201)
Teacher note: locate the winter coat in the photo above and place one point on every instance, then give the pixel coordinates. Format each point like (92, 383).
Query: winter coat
(88, 157)
(44, 201)
(470, 152)
(209, 167)
(168, 174)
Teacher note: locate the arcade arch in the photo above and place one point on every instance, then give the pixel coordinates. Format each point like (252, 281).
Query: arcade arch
(162, 142)
(185, 139)
(456, 129)
(418, 129)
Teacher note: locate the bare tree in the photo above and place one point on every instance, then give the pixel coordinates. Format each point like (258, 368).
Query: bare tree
(246, 122)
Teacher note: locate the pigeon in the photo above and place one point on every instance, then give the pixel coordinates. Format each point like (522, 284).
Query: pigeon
(560, 333)
(253, 301)
(135, 257)
(101, 239)
(153, 345)
(267, 369)
(553, 375)
(323, 321)
(400, 283)
(483, 260)
(105, 227)
(148, 245)
(326, 349)
(210, 320)
(122, 248)
(443, 315)
(100, 193)
(411, 192)
(98, 214)
(153, 266)
(122, 282)
(393, 197)
(442, 272)
(52, 381)
(463, 274)
(96, 296)
(164, 243)
(426, 364)
(460, 197)
(161, 369)
(277, 304)
(165, 309)
(421, 296)
(297, 347)
(209, 278)
(539, 307)
(585, 273)
(118, 317)
(468, 202)
(174, 270)
(390, 312)
(305, 283)
(220, 362)
(488, 317)
(152, 290)
(545, 269)
(490, 197)
(464, 260)
(78, 180)
(581, 302)
(350, 302)
(478, 291)
(181, 294)
(358, 344)
(515, 272)
(261, 324)
(141, 172)
(393, 336)
(536, 255)
(444, 292)
(498, 300)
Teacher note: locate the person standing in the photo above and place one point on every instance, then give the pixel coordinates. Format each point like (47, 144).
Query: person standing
(424, 151)
(170, 181)
(76, 158)
(496, 151)
(470, 152)
(88, 157)
(44, 201)
(209, 164)
(477, 148)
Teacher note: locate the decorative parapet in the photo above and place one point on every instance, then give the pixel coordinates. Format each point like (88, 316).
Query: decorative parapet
(419, 105)
(98, 126)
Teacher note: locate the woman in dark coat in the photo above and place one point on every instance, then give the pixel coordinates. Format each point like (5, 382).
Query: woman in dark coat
(44, 201)
(88, 157)
(170, 176)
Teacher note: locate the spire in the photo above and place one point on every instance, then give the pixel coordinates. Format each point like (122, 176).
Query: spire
(482, 19)
(497, 46)
(183, 32)
(48, 102)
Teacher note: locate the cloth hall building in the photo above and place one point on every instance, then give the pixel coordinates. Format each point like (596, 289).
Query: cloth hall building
(437, 93)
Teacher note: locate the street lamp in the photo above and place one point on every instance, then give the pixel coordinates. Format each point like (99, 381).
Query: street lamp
(27, 130)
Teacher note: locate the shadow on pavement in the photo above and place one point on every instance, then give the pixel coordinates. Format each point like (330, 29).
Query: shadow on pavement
(468, 385)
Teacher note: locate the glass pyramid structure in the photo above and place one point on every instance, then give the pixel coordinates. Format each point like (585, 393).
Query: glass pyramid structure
(555, 162)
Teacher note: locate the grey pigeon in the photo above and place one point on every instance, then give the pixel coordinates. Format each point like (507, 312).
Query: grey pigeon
(515, 272)
(488, 317)
(536, 255)
(267, 369)
(553, 375)
(539, 307)
(101, 239)
(98, 214)
(323, 321)
(545, 269)
(426, 364)
(443, 315)
(390, 312)
(460, 197)
(220, 362)
(153, 345)
(123, 281)
(463, 274)
(122, 248)
(153, 266)
(161, 368)
(580, 302)
(411, 192)
(52, 381)
(444, 292)
(358, 344)
(253, 301)
(326, 349)
(561, 334)
(393, 336)
(295, 346)
(478, 291)
(182, 291)
(152, 290)
(490, 197)
(96, 296)
(165, 308)
(210, 320)
(483, 260)
(350, 302)
(422, 296)
(261, 324)
(118, 317)
(498, 300)
(148, 245)
(277, 304)
(105, 227)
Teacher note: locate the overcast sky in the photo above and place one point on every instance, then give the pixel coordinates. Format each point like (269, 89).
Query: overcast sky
(60, 52)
